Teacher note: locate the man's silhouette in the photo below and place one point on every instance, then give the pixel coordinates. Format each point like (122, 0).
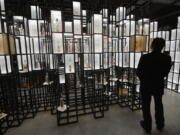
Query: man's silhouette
(152, 69)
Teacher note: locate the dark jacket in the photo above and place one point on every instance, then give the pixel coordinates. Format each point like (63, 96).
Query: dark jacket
(152, 69)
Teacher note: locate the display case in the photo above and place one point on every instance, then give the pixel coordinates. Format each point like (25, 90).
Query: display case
(56, 21)
(57, 42)
(138, 43)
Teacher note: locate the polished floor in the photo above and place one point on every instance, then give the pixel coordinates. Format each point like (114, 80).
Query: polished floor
(117, 121)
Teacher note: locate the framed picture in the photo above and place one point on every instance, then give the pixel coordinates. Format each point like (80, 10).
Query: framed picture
(69, 63)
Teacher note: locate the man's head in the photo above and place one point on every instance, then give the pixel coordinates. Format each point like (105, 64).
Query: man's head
(158, 44)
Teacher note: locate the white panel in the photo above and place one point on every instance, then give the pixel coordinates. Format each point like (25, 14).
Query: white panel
(97, 23)
(86, 61)
(167, 45)
(117, 59)
(68, 27)
(167, 35)
(24, 62)
(97, 61)
(178, 33)
(105, 47)
(8, 64)
(5, 27)
(112, 30)
(41, 26)
(132, 60)
(33, 31)
(126, 60)
(122, 43)
(129, 28)
(36, 62)
(61, 75)
(98, 43)
(169, 85)
(179, 22)
(17, 46)
(0, 26)
(164, 34)
(155, 35)
(87, 46)
(77, 43)
(179, 85)
(23, 45)
(120, 60)
(175, 78)
(35, 12)
(143, 26)
(177, 57)
(42, 45)
(62, 79)
(173, 45)
(27, 45)
(69, 63)
(159, 34)
(173, 34)
(76, 8)
(76, 58)
(120, 13)
(2, 5)
(137, 88)
(32, 45)
(105, 60)
(137, 58)
(126, 45)
(173, 86)
(77, 26)
(84, 13)
(35, 43)
(3, 65)
(56, 21)
(176, 67)
(57, 42)
(170, 77)
(104, 12)
(130, 17)
(153, 26)
(177, 45)
(29, 63)
(172, 56)
(19, 62)
(51, 61)
(69, 45)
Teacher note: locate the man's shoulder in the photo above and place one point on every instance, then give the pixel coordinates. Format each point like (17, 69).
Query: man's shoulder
(160, 55)
(146, 55)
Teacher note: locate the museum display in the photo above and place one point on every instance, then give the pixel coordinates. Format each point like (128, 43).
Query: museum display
(73, 59)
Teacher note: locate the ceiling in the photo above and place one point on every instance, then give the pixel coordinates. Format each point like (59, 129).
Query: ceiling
(165, 11)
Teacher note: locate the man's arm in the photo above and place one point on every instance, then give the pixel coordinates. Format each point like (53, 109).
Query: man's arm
(140, 67)
(169, 64)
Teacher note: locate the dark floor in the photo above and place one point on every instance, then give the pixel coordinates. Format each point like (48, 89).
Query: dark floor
(117, 121)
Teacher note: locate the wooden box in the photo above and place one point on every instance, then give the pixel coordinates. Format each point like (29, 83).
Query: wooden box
(4, 44)
(138, 43)
(4, 48)
(123, 92)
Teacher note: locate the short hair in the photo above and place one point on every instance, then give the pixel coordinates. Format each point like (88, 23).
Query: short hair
(158, 44)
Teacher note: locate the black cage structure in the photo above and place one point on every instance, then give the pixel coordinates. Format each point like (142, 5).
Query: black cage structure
(73, 58)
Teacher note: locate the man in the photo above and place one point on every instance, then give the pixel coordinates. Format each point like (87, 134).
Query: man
(152, 70)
